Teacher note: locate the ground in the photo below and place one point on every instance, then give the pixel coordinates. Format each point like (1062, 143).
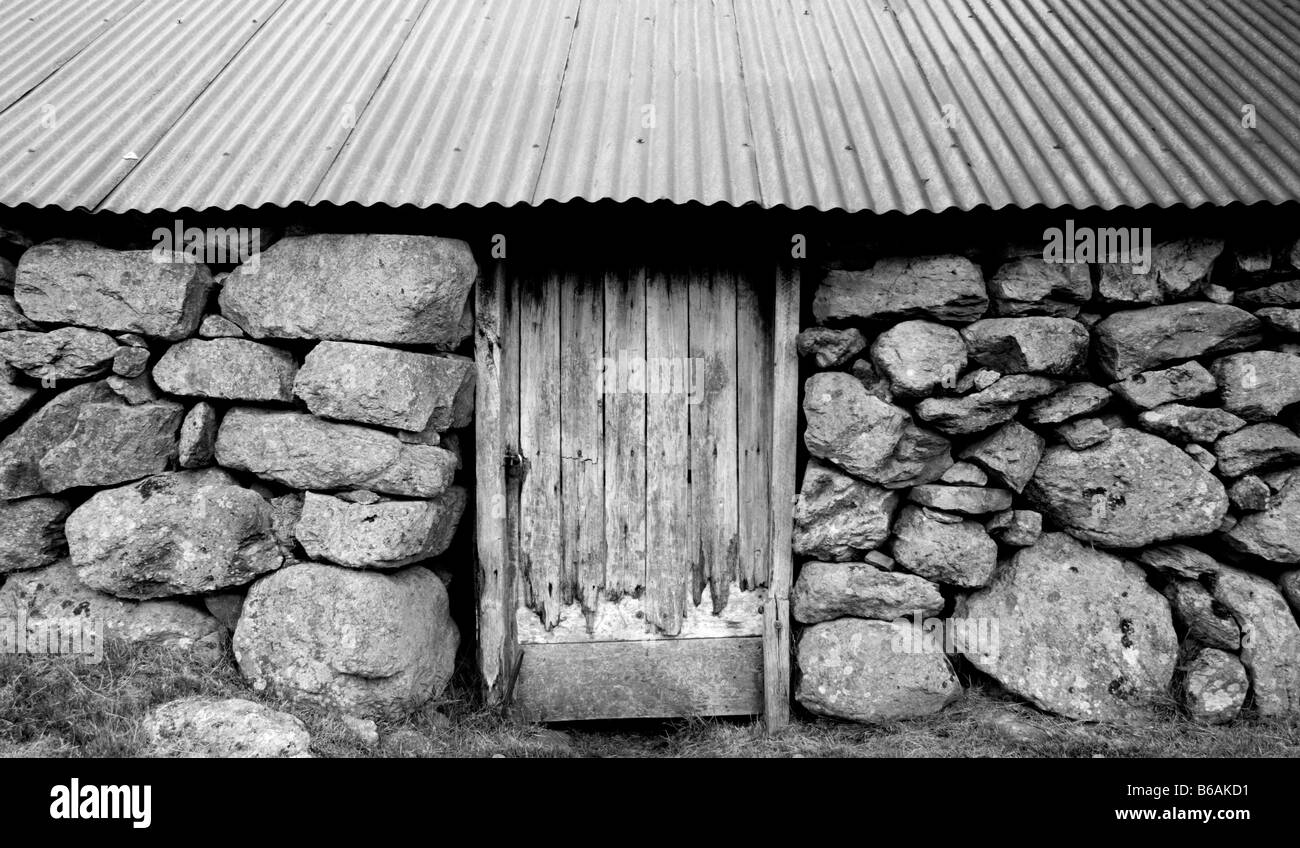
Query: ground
(55, 707)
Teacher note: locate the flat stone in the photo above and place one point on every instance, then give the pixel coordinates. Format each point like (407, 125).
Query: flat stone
(77, 282)
(1075, 400)
(68, 353)
(1016, 528)
(964, 500)
(1259, 384)
(1139, 340)
(919, 357)
(1270, 639)
(1034, 345)
(1010, 454)
(1280, 320)
(1156, 388)
(1284, 293)
(225, 728)
(1202, 455)
(829, 590)
(830, 348)
(1030, 286)
(1259, 447)
(31, 533)
(1203, 620)
(838, 517)
(227, 369)
(1179, 560)
(965, 474)
(940, 288)
(852, 669)
(985, 408)
(958, 553)
(219, 327)
(1180, 423)
(112, 442)
(384, 535)
(1214, 686)
(1081, 633)
(1131, 490)
(401, 289)
(198, 436)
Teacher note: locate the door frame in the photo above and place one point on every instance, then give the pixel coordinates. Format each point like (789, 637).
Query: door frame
(498, 649)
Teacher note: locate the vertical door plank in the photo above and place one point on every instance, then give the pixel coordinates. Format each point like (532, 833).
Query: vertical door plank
(495, 603)
(582, 460)
(541, 540)
(514, 475)
(754, 425)
(667, 454)
(785, 406)
(625, 432)
(714, 501)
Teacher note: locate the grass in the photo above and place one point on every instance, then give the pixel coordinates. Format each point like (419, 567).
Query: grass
(57, 707)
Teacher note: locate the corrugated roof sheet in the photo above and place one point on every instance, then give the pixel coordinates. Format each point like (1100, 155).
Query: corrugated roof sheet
(881, 105)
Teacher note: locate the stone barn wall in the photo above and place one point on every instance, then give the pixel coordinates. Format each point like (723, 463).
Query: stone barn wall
(1074, 479)
(268, 454)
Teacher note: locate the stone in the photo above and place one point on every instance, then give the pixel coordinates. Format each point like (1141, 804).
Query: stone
(1035, 345)
(1290, 585)
(31, 533)
(387, 387)
(919, 357)
(1183, 265)
(286, 512)
(985, 408)
(1031, 286)
(363, 730)
(130, 362)
(225, 728)
(1259, 384)
(198, 436)
(68, 353)
(368, 643)
(1272, 534)
(838, 517)
(1179, 560)
(400, 289)
(865, 436)
(1202, 455)
(1284, 293)
(1075, 400)
(1119, 282)
(828, 590)
(134, 390)
(965, 474)
(11, 317)
(1270, 639)
(76, 282)
(1081, 633)
(1259, 447)
(1131, 490)
(7, 275)
(227, 369)
(830, 348)
(1204, 620)
(964, 500)
(880, 560)
(1280, 320)
(1251, 258)
(1083, 433)
(219, 327)
(1214, 686)
(1180, 423)
(54, 595)
(180, 533)
(1016, 528)
(13, 398)
(1218, 294)
(385, 535)
(225, 607)
(1139, 340)
(958, 553)
(851, 668)
(1010, 454)
(1150, 389)
(22, 450)
(977, 380)
(939, 288)
(1250, 494)
(111, 443)
(304, 452)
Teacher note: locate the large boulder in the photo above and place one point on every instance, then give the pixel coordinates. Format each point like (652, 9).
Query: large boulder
(1131, 490)
(68, 353)
(867, 437)
(944, 548)
(76, 282)
(226, 728)
(403, 289)
(113, 442)
(1270, 638)
(385, 534)
(1139, 340)
(363, 642)
(386, 387)
(919, 357)
(1259, 384)
(1034, 345)
(21, 450)
(227, 369)
(181, 533)
(940, 288)
(854, 669)
(1274, 533)
(827, 590)
(31, 533)
(838, 517)
(1081, 632)
(55, 597)
(304, 452)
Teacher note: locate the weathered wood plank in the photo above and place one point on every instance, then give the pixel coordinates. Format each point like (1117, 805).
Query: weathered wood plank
(625, 469)
(785, 406)
(714, 523)
(624, 619)
(541, 534)
(754, 425)
(495, 601)
(654, 679)
(514, 474)
(582, 420)
(667, 452)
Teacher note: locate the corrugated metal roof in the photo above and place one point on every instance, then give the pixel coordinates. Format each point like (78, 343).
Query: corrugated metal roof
(877, 105)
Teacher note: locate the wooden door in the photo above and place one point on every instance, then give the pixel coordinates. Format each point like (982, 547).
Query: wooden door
(636, 467)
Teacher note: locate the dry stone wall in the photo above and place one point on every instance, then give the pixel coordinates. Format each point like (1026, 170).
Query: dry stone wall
(1074, 479)
(266, 457)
